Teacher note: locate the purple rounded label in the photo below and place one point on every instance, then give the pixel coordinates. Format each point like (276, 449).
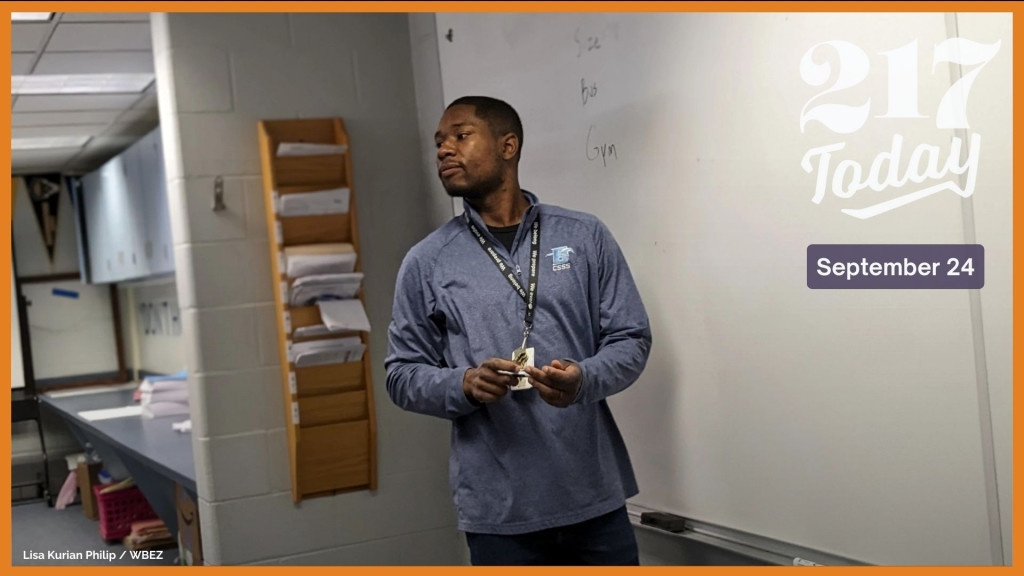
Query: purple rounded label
(895, 266)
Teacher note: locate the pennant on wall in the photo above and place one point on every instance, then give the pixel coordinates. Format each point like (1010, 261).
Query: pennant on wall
(44, 193)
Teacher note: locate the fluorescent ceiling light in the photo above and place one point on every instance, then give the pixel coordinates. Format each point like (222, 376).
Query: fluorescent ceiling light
(49, 142)
(31, 16)
(80, 83)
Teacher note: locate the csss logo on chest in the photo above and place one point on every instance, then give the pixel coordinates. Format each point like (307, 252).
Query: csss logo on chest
(560, 258)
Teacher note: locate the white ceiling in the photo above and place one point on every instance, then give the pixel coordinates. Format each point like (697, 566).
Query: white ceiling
(80, 43)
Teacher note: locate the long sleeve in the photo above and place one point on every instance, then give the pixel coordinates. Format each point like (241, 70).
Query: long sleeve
(418, 379)
(625, 333)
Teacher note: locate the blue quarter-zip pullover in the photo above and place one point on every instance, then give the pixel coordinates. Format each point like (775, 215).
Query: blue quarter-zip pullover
(520, 465)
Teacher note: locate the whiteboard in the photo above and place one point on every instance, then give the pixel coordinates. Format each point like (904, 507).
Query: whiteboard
(846, 421)
(71, 326)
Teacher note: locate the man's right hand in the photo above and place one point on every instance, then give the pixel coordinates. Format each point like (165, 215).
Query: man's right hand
(485, 385)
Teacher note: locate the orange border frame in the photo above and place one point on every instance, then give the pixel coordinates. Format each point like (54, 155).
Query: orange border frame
(1016, 8)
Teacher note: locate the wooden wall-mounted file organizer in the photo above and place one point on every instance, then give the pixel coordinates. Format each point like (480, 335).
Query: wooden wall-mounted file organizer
(329, 408)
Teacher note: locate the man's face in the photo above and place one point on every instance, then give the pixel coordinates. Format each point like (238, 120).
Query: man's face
(469, 160)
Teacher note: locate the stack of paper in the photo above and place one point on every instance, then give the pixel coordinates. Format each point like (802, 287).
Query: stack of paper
(164, 396)
(318, 330)
(339, 317)
(316, 259)
(334, 351)
(310, 331)
(149, 535)
(309, 290)
(333, 201)
(342, 315)
(309, 149)
(169, 391)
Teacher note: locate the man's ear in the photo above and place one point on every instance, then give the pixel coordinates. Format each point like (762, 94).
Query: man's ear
(509, 146)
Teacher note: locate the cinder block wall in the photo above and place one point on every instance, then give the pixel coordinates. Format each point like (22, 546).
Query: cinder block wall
(218, 75)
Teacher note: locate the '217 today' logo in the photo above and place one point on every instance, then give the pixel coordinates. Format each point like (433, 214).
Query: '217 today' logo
(924, 173)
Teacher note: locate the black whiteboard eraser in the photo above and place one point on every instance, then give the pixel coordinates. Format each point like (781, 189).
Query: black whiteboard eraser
(663, 521)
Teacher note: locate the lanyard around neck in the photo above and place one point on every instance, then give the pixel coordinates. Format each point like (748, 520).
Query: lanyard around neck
(528, 294)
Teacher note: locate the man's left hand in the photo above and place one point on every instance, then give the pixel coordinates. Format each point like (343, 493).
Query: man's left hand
(557, 383)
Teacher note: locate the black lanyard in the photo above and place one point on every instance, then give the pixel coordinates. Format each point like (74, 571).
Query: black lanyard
(529, 297)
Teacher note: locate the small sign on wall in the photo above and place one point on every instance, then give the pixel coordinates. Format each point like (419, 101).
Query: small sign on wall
(160, 318)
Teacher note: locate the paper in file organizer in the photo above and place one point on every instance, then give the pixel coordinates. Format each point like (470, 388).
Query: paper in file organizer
(309, 149)
(317, 330)
(320, 352)
(311, 331)
(333, 201)
(309, 290)
(318, 259)
(344, 315)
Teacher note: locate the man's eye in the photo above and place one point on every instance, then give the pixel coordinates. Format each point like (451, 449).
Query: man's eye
(463, 135)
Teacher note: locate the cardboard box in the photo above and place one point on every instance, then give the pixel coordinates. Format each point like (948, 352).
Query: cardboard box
(88, 477)
(190, 542)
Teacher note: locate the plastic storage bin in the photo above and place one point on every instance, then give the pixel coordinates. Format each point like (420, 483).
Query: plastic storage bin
(119, 509)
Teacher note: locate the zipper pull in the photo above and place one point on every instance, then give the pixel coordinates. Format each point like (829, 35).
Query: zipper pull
(518, 271)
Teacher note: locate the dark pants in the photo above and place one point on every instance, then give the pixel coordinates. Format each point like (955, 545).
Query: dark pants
(603, 541)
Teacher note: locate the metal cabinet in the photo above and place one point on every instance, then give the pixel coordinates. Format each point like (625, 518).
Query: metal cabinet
(126, 216)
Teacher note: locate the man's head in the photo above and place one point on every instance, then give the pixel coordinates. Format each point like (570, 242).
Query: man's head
(478, 141)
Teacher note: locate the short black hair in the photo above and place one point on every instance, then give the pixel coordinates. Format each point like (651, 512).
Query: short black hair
(501, 117)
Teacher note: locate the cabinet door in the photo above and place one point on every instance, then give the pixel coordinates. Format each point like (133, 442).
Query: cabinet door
(131, 256)
(158, 245)
(97, 229)
(127, 215)
(113, 216)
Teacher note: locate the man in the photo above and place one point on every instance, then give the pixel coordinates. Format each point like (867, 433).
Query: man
(515, 321)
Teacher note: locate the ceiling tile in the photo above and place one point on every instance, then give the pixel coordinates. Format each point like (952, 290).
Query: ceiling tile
(44, 154)
(27, 37)
(99, 37)
(45, 131)
(21, 62)
(63, 118)
(74, 102)
(38, 161)
(104, 17)
(95, 63)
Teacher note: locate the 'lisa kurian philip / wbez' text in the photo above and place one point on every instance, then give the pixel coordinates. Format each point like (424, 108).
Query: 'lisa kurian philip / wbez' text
(69, 555)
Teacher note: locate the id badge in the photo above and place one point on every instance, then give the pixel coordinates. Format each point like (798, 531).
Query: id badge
(524, 382)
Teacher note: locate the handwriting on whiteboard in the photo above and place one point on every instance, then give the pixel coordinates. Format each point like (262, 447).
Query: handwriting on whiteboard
(587, 90)
(591, 40)
(596, 149)
(585, 42)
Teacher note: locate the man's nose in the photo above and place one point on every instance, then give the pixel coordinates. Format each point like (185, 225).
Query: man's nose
(444, 150)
